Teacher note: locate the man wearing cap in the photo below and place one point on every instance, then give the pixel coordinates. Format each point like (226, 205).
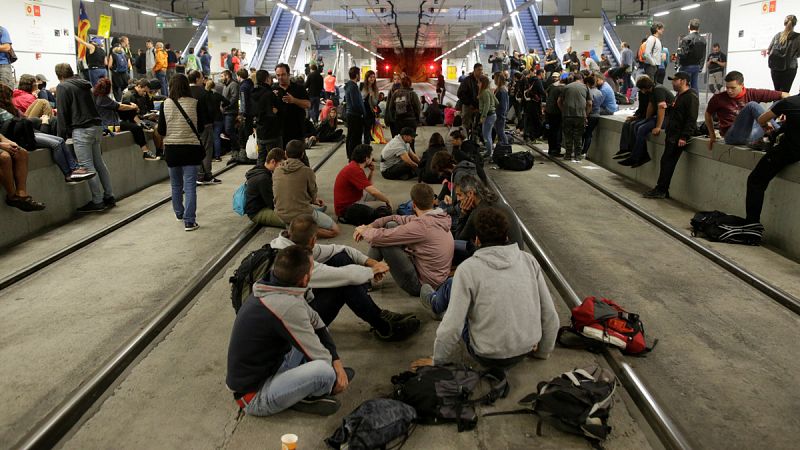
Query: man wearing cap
(41, 82)
(398, 161)
(681, 122)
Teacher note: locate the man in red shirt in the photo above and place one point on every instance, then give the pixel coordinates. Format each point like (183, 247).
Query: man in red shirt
(355, 199)
(737, 110)
(330, 85)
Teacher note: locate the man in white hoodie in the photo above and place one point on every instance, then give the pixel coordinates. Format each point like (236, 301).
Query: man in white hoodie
(341, 276)
(499, 304)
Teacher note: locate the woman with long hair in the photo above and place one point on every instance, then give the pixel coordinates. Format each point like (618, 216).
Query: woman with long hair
(426, 172)
(783, 53)
(328, 130)
(369, 91)
(501, 93)
(487, 105)
(178, 121)
(107, 107)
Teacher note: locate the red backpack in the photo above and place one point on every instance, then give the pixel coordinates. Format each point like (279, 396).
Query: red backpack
(599, 321)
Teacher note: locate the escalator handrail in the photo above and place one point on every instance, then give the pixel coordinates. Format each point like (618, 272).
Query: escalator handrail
(263, 45)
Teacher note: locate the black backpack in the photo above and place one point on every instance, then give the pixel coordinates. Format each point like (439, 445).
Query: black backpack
(252, 268)
(360, 214)
(518, 161)
(717, 226)
(577, 402)
(21, 131)
(376, 424)
(442, 394)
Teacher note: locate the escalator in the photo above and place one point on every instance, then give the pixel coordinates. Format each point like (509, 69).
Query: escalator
(276, 36)
(200, 37)
(612, 45)
(530, 29)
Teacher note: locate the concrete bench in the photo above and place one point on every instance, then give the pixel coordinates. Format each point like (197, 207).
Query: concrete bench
(708, 180)
(129, 174)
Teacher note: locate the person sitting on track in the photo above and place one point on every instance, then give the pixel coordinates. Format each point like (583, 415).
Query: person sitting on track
(341, 276)
(398, 160)
(259, 201)
(418, 248)
(355, 198)
(281, 354)
(294, 186)
(498, 303)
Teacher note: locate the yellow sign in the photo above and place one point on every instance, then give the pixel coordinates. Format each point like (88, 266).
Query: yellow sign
(364, 70)
(452, 72)
(104, 27)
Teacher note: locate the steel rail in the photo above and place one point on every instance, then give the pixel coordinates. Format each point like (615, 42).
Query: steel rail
(70, 412)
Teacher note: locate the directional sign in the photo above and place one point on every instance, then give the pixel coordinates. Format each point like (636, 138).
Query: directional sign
(324, 47)
(556, 21)
(251, 21)
(635, 19)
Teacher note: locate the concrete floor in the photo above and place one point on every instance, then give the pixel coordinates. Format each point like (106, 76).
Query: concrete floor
(176, 398)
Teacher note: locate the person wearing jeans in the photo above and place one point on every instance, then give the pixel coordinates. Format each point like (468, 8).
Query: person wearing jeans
(86, 142)
(180, 118)
(502, 108)
(63, 157)
(745, 128)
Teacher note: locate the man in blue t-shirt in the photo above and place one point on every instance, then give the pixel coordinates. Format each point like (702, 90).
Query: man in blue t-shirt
(609, 105)
(6, 74)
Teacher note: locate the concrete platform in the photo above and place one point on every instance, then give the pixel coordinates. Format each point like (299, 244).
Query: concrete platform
(176, 397)
(129, 174)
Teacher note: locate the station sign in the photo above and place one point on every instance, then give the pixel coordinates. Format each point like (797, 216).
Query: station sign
(251, 21)
(635, 19)
(324, 47)
(563, 21)
(173, 23)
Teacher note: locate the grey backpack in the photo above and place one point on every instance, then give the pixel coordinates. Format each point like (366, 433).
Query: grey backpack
(376, 424)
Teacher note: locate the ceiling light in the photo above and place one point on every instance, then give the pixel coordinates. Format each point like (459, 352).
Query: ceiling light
(497, 24)
(118, 6)
(662, 13)
(717, 1)
(306, 18)
(195, 23)
(282, 5)
(328, 30)
(688, 7)
(89, 1)
(148, 13)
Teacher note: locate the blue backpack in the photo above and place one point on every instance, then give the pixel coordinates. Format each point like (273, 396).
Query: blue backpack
(120, 62)
(239, 197)
(405, 209)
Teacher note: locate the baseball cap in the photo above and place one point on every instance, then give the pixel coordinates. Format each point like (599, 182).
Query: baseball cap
(41, 77)
(680, 76)
(408, 131)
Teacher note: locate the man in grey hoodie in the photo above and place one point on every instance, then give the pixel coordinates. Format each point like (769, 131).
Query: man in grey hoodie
(418, 248)
(341, 276)
(499, 304)
(230, 113)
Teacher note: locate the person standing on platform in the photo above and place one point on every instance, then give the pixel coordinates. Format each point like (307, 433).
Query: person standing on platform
(95, 59)
(120, 68)
(292, 106)
(78, 119)
(553, 117)
(330, 85)
(369, 92)
(501, 93)
(468, 94)
(172, 61)
(268, 123)
(716, 68)
(681, 125)
(149, 59)
(140, 64)
(125, 43)
(354, 111)
(551, 62)
(205, 62)
(179, 121)
(487, 104)
(534, 94)
(783, 52)
(245, 107)
(231, 93)
(314, 84)
(404, 108)
(575, 104)
(692, 53)
(6, 71)
(652, 50)
(205, 100)
(626, 68)
(191, 61)
(160, 68)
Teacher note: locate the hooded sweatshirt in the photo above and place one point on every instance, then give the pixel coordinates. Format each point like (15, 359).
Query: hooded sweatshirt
(259, 191)
(501, 294)
(426, 238)
(75, 106)
(324, 276)
(272, 321)
(294, 187)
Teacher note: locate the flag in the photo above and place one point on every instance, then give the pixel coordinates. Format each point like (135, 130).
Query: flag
(83, 30)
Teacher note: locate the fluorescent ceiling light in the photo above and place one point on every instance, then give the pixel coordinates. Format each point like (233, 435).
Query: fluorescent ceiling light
(306, 18)
(497, 24)
(196, 23)
(662, 13)
(282, 5)
(89, 1)
(688, 7)
(148, 13)
(718, 1)
(118, 6)
(328, 30)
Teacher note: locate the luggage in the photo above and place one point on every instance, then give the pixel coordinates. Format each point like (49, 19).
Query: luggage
(577, 402)
(359, 214)
(501, 150)
(442, 394)
(717, 226)
(252, 268)
(518, 161)
(376, 424)
(239, 199)
(598, 322)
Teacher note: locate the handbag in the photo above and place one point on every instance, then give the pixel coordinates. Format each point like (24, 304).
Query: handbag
(251, 148)
(12, 55)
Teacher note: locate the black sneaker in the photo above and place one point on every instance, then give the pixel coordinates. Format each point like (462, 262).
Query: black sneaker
(390, 316)
(641, 162)
(213, 181)
(190, 226)
(656, 193)
(92, 207)
(399, 330)
(109, 202)
(325, 405)
(150, 156)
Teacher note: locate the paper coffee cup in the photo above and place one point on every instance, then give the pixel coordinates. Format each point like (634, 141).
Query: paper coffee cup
(289, 442)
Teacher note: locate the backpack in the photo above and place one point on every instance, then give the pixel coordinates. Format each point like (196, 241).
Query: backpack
(239, 198)
(577, 402)
(599, 321)
(21, 131)
(359, 214)
(779, 56)
(441, 394)
(402, 106)
(518, 161)
(717, 226)
(120, 62)
(640, 53)
(376, 423)
(405, 208)
(252, 268)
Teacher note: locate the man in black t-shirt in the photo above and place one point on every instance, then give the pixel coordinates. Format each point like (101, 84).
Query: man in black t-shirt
(660, 98)
(293, 104)
(787, 152)
(716, 68)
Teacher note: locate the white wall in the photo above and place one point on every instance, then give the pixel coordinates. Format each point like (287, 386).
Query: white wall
(130, 23)
(585, 35)
(223, 36)
(757, 29)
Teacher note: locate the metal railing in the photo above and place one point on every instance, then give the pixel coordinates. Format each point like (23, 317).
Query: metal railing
(288, 44)
(200, 35)
(610, 35)
(263, 45)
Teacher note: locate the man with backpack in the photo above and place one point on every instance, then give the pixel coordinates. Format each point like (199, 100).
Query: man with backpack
(692, 52)
(120, 68)
(652, 50)
(626, 68)
(281, 354)
(498, 302)
(355, 198)
(341, 275)
(404, 108)
(468, 96)
(575, 104)
(418, 248)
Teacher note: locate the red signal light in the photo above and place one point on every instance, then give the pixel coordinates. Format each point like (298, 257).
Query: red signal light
(432, 66)
(387, 67)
